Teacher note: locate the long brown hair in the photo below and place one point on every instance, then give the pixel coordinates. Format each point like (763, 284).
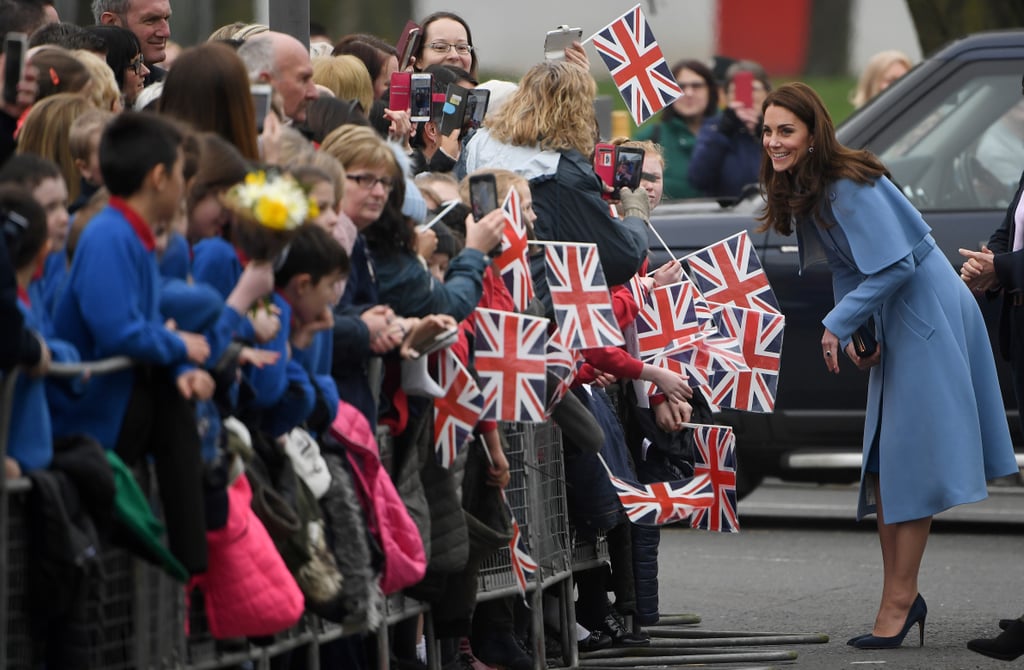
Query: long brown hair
(799, 191)
(210, 90)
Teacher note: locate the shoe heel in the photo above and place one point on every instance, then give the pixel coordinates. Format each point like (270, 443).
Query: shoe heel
(920, 626)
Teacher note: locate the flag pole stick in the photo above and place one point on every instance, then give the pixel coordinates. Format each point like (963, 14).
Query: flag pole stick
(428, 226)
(662, 240)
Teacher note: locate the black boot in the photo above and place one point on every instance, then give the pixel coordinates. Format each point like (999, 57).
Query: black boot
(1008, 646)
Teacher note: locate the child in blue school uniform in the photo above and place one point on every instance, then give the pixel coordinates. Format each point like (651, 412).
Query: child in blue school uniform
(110, 307)
(44, 180)
(309, 279)
(30, 438)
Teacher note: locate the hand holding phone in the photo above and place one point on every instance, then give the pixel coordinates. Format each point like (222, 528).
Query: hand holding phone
(558, 40)
(15, 46)
(408, 43)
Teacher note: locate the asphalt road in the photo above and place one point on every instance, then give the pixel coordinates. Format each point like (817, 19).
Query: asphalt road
(802, 565)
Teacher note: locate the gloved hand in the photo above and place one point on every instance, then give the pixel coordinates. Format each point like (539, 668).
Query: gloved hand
(635, 203)
(729, 124)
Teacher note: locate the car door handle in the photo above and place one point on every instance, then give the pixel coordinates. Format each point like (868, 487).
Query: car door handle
(789, 248)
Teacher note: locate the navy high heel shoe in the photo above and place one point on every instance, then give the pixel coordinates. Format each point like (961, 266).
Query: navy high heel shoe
(918, 612)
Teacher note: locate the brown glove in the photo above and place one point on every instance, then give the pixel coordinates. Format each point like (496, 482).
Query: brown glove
(635, 203)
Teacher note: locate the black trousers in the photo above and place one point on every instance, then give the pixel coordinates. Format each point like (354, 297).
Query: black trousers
(160, 423)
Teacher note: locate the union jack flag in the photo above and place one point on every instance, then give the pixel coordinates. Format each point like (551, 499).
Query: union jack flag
(669, 317)
(562, 364)
(760, 336)
(729, 272)
(455, 413)
(661, 502)
(637, 65)
(513, 263)
(580, 296)
(715, 458)
(523, 566)
(510, 359)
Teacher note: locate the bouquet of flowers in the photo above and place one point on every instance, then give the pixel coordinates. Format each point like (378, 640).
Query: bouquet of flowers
(268, 208)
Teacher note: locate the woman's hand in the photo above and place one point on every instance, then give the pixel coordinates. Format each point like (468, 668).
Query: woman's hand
(866, 363)
(426, 243)
(485, 234)
(451, 145)
(671, 415)
(401, 128)
(379, 321)
(830, 351)
(578, 55)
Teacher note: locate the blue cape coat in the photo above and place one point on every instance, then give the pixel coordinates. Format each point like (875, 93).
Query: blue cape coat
(934, 411)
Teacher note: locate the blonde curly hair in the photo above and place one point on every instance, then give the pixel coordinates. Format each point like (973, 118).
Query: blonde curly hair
(553, 108)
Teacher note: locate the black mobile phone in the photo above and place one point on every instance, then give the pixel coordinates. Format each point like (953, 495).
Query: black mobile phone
(453, 112)
(483, 195)
(262, 95)
(15, 45)
(629, 162)
(422, 93)
(476, 107)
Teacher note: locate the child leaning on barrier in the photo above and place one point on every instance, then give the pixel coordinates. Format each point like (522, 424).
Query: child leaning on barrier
(30, 438)
(110, 307)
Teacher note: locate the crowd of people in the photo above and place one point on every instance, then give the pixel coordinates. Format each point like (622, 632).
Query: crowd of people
(268, 272)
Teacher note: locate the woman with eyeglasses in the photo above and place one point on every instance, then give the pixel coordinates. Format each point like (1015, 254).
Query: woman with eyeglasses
(373, 200)
(677, 127)
(124, 56)
(727, 157)
(446, 41)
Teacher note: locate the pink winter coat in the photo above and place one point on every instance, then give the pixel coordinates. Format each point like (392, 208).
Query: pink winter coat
(405, 561)
(247, 588)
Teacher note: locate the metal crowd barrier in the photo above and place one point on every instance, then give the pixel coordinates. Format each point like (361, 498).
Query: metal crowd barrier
(138, 614)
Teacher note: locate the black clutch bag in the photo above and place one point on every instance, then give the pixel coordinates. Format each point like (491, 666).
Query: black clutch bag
(864, 342)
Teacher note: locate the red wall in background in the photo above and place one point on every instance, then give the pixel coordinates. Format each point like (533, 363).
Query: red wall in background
(774, 33)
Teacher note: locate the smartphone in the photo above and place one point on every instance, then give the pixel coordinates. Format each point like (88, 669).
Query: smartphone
(407, 43)
(558, 40)
(422, 93)
(442, 340)
(15, 45)
(398, 93)
(453, 112)
(476, 107)
(604, 165)
(629, 162)
(743, 88)
(262, 95)
(483, 195)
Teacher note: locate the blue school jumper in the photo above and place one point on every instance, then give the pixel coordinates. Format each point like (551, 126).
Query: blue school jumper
(110, 307)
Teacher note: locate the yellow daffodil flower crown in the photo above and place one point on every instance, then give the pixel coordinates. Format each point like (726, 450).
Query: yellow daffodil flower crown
(275, 200)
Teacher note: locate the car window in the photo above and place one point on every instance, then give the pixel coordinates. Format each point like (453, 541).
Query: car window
(962, 145)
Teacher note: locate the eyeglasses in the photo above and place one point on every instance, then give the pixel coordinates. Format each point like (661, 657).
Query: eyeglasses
(445, 47)
(692, 85)
(136, 64)
(368, 181)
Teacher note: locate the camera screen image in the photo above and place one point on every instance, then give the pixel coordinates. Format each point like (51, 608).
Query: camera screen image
(627, 169)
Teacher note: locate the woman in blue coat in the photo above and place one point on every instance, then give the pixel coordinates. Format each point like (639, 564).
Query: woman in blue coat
(935, 429)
